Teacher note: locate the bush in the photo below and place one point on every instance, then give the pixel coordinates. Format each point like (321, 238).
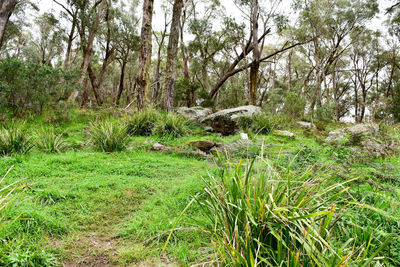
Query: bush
(14, 139)
(257, 215)
(27, 87)
(108, 136)
(171, 126)
(48, 141)
(142, 123)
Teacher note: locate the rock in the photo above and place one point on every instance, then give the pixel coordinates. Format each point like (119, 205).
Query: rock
(364, 128)
(225, 121)
(244, 136)
(160, 147)
(352, 134)
(195, 113)
(286, 133)
(306, 125)
(203, 145)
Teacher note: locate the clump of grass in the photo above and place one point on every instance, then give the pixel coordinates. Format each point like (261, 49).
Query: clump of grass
(171, 126)
(14, 140)
(257, 215)
(143, 122)
(47, 140)
(108, 136)
(262, 123)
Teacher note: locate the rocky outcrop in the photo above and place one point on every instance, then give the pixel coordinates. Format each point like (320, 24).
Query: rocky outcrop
(195, 113)
(225, 121)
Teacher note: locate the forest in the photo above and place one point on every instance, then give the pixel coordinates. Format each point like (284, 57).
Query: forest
(199, 133)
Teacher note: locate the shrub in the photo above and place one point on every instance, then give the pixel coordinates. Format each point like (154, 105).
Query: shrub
(142, 123)
(28, 87)
(171, 126)
(108, 136)
(14, 139)
(47, 140)
(257, 215)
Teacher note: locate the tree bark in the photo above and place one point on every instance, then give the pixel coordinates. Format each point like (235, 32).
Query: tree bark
(121, 82)
(69, 44)
(256, 56)
(87, 50)
(6, 9)
(157, 72)
(145, 54)
(169, 90)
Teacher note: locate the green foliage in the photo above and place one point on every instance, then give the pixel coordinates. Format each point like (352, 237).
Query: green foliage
(108, 136)
(47, 140)
(14, 139)
(264, 123)
(294, 105)
(143, 122)
(258, 124)
(171, 126)
(258, 215)
(30, 87)
(325, 113)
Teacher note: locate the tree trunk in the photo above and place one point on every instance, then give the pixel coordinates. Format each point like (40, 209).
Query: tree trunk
(87, 51)
(85, 93)
(6, 9)
(290, 71)
(256, 56)
(95, 85)
(145, 53)
(169, 91)
(69, 44)
(157, 74)
(121, 82)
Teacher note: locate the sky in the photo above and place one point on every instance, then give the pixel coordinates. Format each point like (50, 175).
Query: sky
(230, 8)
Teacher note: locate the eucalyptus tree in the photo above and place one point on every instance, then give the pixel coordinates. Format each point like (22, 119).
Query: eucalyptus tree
(142, 80)
(50, 42)
(70, 12)
(90, 14)
(330, 24)
(172, 52)
(127, 45)
(6, 9)
(108, 43)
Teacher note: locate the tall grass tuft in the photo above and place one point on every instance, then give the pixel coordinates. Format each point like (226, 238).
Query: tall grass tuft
(257, 215)
(14, 139)
(172, 126)
(108, 136)
(142, 123)
(47, 140)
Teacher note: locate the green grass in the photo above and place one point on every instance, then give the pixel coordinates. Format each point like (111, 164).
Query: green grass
(77, 198)
(82, 206)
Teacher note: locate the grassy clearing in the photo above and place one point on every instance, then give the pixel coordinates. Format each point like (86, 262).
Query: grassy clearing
(83, 206)
(78, 203)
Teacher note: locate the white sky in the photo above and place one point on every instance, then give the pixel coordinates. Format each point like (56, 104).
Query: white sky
(230, 9)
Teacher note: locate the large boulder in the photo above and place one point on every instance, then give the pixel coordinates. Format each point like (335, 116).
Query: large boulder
(226, 121)
(194, 113)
